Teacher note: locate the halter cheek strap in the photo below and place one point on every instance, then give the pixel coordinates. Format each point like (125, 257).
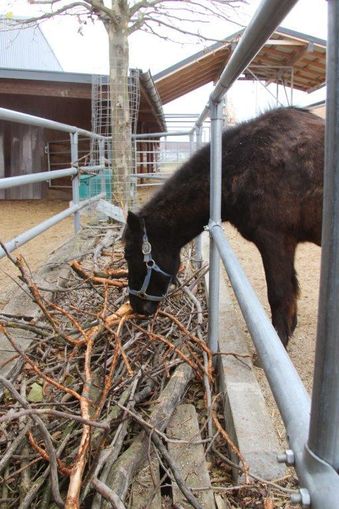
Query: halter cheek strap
(150, 266)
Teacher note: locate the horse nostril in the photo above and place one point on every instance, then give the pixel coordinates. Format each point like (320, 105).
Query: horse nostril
(143, 307)
(149, 308)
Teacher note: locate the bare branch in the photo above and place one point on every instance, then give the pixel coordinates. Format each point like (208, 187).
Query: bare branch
(107, 493)
(10, 416)
(91, 7)
(47, 437)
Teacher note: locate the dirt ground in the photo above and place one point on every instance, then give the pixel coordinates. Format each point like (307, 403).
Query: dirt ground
(16, 216)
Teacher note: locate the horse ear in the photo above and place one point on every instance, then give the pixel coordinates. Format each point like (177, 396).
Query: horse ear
(133, 221)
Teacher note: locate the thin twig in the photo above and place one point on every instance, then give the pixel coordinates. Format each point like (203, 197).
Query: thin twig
(49, 445)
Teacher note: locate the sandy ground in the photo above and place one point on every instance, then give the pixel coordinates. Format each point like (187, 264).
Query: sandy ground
(18, 216)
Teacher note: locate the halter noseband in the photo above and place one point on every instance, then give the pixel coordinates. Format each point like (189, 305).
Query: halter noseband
(150, 265)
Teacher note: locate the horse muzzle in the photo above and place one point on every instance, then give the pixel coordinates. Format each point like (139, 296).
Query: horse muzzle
(142, 306)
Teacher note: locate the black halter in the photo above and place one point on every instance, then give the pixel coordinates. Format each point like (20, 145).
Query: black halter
(150, 265)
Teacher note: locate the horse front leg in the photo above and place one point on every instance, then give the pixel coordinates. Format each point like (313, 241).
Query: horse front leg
(277, 252)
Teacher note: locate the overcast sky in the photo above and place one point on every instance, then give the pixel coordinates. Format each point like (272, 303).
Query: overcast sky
(89, 52)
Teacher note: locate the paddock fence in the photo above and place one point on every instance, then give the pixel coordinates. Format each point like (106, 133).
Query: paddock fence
(91, 171)
(75, 171)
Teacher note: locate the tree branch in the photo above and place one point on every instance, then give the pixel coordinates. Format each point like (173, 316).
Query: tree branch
(48, 441)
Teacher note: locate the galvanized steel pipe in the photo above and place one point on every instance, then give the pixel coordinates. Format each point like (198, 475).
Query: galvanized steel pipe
(324, 428)
(215, 215)
(146, 136)
(76, 179)
(25, 118)
(21, 180)
(321, 481)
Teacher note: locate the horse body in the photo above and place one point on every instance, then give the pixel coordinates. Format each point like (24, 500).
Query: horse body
(272, 180)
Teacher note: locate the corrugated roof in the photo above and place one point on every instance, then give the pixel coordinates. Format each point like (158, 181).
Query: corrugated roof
(25, 47)
(288, 57)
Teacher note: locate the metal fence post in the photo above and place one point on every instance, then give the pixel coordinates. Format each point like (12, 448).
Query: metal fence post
(102, 163)
(198, 240)
(324, 427)
(215, 219)
(76, 179)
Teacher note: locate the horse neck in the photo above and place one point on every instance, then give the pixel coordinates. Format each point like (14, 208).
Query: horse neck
(176, 219)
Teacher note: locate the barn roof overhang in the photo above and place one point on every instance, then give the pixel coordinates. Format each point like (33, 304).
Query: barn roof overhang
(290, 58)
(79, 86)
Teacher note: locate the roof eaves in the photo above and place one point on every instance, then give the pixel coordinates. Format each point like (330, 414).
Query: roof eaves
(196, 56)
(219, 45)
(300, 35)
(60, 76)
(316, 104)
(147, 80)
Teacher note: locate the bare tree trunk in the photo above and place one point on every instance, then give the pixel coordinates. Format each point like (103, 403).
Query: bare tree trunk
(121, 126)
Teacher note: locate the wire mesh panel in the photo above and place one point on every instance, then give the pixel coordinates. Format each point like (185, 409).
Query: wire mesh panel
(102, 124)
(101, 114)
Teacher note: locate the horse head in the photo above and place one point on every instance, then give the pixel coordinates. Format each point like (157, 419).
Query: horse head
(152, 265)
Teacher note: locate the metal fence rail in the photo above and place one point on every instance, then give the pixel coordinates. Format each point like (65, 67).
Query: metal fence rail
(21, 180)
(73, 171)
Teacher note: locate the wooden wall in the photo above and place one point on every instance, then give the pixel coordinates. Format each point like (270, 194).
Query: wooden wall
(22, 147)
(2, 161)
(23, 152)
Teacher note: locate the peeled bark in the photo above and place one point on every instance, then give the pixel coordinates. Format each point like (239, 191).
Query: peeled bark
(121, 125)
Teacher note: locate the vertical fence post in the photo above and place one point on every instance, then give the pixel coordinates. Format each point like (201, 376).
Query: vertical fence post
(101, 143)
(215, 219)
(324, 427)
(198, 240)
(76, 179)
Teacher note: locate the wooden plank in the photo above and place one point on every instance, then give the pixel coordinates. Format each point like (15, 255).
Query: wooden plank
(143, 487)
(26, 149)
(45, 88)
(2, 163)
(111, 211)
(189, 458)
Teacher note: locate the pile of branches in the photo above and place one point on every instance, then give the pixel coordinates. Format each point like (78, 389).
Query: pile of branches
(95, 389)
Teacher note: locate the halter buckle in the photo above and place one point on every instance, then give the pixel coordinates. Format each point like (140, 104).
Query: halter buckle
(146, 248)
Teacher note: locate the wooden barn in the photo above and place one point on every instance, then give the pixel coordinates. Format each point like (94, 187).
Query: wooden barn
(32, 81)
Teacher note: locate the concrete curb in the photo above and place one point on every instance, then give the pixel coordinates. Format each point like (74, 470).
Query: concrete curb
(247, 419)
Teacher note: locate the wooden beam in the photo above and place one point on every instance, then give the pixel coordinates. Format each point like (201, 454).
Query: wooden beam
(283, 42)
(45, 88)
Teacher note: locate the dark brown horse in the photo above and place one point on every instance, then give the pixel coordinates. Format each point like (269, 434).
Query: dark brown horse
(271, 192)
